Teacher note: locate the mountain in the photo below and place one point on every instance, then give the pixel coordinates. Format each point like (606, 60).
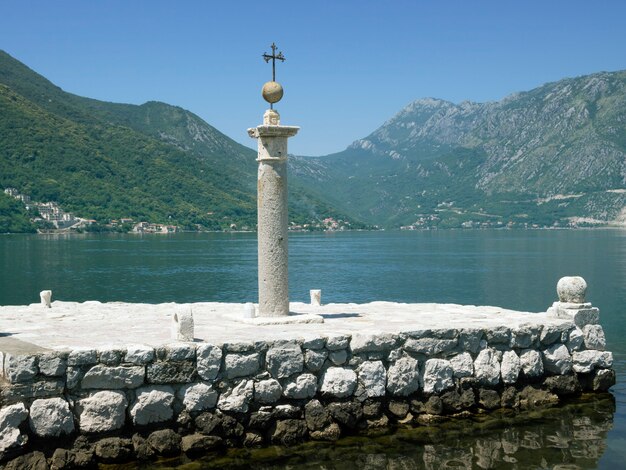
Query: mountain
(105, 161)
(555, 154)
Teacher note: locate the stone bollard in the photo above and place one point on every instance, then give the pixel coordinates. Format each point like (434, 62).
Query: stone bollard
(316, 297)
(182, 324)
(248, 310)
(571, 305)
(46, 298)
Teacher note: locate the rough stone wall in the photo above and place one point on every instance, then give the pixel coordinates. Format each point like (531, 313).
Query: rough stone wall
(197, 396)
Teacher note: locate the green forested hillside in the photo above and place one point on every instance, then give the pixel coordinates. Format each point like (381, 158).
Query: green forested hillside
(105, 161)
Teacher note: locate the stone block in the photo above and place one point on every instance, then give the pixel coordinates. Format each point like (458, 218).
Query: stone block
(11, 417)
(139, 354)
(82, 357)
(237, 398)
(300, 387)
(165, 442)
(114, 450)
(334, 342)
(469, 339)
(487, 367)
(152, 404)
(109, 356)
(53, 364)
(170, 372)
(101, 411)
(316, 416)
(557, 359)
(594, 337)
(438, 376)
(510, 367)
(524, 337)
(498, 335)
(531, 363)
(240, 347)
(550, 334)
(51, 417)
(208, 361)
(371, 380)
(283, 361)
(40, 389)
(112, 378)
(338, 357)
(179, 352)
(338, 382)
(379, 342)
(73, 376)
(198, 396)
(314, 360)
(430, 346)
(462, 365)
(586, 361)
(267, 391)
(403, 377)
(20, 368)
(312, 341)
(241, 365)
(575, 340)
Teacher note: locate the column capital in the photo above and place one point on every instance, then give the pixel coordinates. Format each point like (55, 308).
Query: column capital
(272, 131)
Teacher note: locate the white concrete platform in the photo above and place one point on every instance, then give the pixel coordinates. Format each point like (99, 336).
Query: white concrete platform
(71, 325)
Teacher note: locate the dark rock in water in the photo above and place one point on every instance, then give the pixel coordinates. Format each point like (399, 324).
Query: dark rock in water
(196, 445)
(114, 450)
(62, 459)
(372, 409)
(231, 428)
(208, 423)
(32, 461)
(347, 414)
(451, 402)
(399, 409)
(563, 384)
(253, 439)
(510, 398)
(289, 432)
(317, 417)
(165, 442)
(331, 433)
(599, 380)
(531, 397)
(488, 399)
(433, 405)
(142, 449)
(261, 420)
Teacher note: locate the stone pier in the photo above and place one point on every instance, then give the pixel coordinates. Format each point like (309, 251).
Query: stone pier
(272, 214)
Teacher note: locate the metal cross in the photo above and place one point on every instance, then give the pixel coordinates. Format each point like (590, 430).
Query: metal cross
(273, 58)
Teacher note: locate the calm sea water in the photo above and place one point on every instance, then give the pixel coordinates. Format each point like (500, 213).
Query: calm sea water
(512, 269)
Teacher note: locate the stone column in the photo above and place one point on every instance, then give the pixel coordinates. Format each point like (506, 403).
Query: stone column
(272, 214)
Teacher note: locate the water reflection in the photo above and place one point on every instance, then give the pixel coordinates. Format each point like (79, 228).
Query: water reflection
(568, 437)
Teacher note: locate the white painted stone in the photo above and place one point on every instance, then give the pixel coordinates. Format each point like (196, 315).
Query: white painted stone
(152, 405)
(209, 359)
(241, 365)
(46, 298)
(11, 417)
(571, 289)
(267, 391)
(182, 324)
(248, 310)
(557, 359)
(112, 378)
(316, 297)
(586, 361)
(139, 354)
(372, 342)
(283, 361)
(20, 368)
(338, 382)
(314, 360)
(82, 357)
(438, 376)
(238, 398)
(101, 411)
(463, 365)
(531, 363)
(52, 364)
(372, 380)
(594, 337)
(403, 377)
(510, 367)
(198, 396)
(487, 367)
(51, 417)
(300, 387)
(575, 340)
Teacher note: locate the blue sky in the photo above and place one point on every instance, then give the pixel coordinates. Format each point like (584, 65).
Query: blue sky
(351, 65)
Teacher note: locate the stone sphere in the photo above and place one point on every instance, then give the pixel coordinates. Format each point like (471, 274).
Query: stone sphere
(572, 289)
(272, 92)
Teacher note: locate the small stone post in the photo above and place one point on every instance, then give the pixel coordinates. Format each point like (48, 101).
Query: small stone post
(272, 214)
